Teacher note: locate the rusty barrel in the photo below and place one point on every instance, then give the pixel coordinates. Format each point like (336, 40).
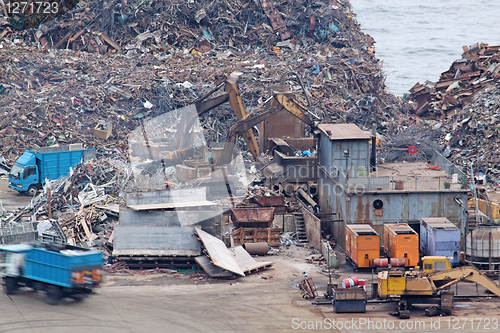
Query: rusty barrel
(380, 262)
(397, 262)
(350, 282)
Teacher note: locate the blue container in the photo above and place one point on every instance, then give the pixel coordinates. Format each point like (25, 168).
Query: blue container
(64, 265)
(57, 268)
(440, 237)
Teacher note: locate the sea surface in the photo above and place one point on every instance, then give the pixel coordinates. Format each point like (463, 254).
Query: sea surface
(419, 39)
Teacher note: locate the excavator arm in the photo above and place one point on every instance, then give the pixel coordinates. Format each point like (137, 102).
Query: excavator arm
(282, 100)
(450, 277)
(245, 125)
(183, 140)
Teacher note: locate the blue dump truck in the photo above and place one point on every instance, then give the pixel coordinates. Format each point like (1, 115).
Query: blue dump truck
(36, 165)
(60, 270)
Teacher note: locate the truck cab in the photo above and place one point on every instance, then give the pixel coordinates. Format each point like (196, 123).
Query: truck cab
(432, 264)
(25, 174)
(12, 259)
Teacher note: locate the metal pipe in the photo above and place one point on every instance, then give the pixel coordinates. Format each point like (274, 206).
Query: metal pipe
(259, 249)
(307, 198)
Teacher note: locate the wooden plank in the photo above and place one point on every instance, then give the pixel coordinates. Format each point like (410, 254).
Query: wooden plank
(59, 43)
(111, 42)
(72, 39)
(218, 252)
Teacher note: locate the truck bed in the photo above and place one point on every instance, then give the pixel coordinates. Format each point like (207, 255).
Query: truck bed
(59, 267)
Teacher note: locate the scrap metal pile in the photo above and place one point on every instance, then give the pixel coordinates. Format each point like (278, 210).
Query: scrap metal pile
(474, 134)
(118, 61)
(83, 208)
(462, 112)
(478, 69)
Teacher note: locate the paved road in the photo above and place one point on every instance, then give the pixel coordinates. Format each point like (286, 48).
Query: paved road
(182, 308)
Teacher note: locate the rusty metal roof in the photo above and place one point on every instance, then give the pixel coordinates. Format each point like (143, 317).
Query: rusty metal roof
(344, 132)
(362, 229)
(400, 228)
(432, 220)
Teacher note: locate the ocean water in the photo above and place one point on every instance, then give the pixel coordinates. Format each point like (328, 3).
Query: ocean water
(419, 39)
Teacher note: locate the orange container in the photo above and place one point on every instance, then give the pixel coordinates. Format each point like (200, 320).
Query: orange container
(401, 241)
(362, 244)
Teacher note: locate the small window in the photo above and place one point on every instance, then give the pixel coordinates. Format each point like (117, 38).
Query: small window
(29, 171)
(427, 266)
(439, 266)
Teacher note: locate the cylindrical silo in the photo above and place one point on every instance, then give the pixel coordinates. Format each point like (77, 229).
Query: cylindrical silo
(483, 245)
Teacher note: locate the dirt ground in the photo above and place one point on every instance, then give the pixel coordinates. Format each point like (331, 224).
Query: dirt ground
(265, 301)
(11, 199)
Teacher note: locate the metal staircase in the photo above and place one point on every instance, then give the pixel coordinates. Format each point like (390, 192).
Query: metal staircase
(300, 227)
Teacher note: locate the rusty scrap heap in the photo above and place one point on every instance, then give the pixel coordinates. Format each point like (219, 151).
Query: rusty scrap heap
(118, 61)
(478, 68)
(462, 111)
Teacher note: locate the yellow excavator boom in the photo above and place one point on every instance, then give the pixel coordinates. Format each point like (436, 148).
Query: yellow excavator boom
(450, 277)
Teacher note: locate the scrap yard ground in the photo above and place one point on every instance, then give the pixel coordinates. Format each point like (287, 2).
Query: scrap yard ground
(163, 302)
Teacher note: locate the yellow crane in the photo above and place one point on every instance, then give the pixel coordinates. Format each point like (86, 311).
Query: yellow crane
(419, 287)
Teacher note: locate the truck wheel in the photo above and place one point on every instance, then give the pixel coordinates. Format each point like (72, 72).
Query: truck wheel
(54, 295)
(11, 285)
(32, 190)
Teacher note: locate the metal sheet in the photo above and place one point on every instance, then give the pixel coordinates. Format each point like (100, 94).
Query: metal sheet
(172, 205)
(313, 227)
(241, 256)
(245, 260)
(198, 194)
(211, 270)
(163, 239)
(218, 252)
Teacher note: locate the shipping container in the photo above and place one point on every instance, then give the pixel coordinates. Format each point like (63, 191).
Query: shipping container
(362, 244)
(401, 241)
(440, 237)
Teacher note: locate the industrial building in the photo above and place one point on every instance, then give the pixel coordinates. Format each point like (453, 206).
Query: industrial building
(357, 190)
